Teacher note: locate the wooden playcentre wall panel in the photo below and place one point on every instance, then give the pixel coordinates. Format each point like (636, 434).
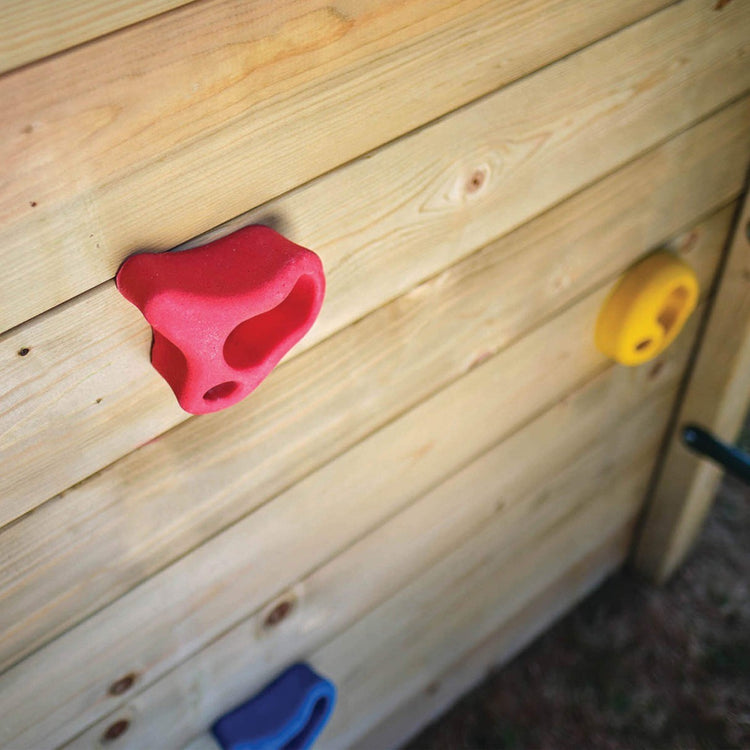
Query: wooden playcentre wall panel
(446, 463)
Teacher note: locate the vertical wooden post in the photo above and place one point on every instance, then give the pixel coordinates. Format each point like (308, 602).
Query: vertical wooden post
(716, 397)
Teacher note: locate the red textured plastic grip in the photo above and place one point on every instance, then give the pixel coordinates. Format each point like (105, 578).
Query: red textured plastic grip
(224, 314)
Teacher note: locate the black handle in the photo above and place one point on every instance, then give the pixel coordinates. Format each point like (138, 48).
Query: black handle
(733, 460)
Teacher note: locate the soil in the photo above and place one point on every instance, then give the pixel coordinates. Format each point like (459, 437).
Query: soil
(633, 666)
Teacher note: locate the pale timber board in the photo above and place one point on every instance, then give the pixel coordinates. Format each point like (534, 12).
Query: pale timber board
(378, 665)
(98, 540)
(494, 569)
(87, 365)
(331, 598)
(571, 433)
(471, 667)
(515, 633)
(717, 397)
(132, 143)
(129, 638)
(33, 29)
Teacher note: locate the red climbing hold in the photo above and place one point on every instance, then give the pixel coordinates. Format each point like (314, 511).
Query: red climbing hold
(224, 314)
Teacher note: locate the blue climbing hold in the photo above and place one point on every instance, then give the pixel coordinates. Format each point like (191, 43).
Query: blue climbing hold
(288, 714)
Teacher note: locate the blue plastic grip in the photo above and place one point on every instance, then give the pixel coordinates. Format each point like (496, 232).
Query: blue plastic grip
(288, 714)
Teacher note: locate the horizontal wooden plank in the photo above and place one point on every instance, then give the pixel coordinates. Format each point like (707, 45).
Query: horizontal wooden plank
(238, 663)
(439, 694)
(33, 29)
(471, 666)
(509, 490)
(223, 581)
(101, 158)
(717, 398)
(86, 365)
(55, 572)
(574, 570)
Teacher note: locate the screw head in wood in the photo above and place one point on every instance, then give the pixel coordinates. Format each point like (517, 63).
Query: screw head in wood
(118, 687)
(280, 612)
(116, 730)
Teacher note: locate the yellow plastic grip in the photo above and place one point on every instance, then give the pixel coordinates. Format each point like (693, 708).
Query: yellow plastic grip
(646, 309)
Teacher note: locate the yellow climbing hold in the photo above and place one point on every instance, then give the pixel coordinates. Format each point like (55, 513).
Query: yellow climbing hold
(646, 309)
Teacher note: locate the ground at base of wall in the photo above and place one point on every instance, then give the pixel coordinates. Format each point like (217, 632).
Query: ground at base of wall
(633, 666)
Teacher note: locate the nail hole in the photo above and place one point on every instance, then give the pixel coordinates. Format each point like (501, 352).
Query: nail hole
(254, 339)
(641, 345)
(122, 685)
(116, 730)
(32, 204)
(23, 351)
(220, 391)
(674, 305)
(280, 612)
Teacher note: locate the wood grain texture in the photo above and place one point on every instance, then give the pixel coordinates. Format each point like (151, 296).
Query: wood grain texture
(472, 588)
(475, 661)
(55, 570)
(33, 29)
(717, 397)
(207, 591)
(474, 664)
(479, 608)
(516, 632)
(87, 365)
(129, 144)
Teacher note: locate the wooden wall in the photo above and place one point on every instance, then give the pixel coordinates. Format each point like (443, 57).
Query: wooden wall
(445, 463)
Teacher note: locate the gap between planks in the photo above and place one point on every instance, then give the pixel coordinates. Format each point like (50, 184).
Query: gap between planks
(409, 455)
(438, 694)
(271, 96)
(96, 573)
(462, 616)
(88, 365)
(173, 478)
(31, 30)
(453, 603)
(512, 502)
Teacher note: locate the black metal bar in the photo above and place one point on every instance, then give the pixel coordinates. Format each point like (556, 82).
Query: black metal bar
(731, 459)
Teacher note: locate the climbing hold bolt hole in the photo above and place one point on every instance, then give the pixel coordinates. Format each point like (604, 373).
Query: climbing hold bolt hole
(641, 345)
(671, 310)
(220, 391)
(23, 351)
(32, 204)
(118, 687)
(747, 231)
(115, 730)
